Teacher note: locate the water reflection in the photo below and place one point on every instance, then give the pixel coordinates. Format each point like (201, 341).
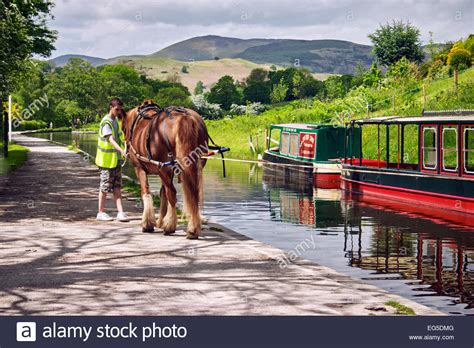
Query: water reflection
(416, 255)
(436, 257)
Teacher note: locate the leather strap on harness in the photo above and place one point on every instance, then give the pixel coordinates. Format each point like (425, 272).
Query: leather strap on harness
(142, 114)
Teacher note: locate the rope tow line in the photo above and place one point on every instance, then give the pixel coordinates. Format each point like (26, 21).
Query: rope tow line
(262, 162)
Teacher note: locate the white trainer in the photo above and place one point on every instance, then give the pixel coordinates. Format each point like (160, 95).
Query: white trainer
(103, 216)
(122, 217)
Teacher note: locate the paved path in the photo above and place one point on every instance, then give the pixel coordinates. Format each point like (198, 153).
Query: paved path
(55, 259)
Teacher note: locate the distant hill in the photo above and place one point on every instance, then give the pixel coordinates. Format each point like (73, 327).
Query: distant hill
(322, 56)
(209, 47)
(64, 59)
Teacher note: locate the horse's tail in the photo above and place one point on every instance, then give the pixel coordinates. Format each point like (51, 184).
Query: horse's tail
(191, 144)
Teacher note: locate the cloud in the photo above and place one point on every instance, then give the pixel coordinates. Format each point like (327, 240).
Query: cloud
(108, 28)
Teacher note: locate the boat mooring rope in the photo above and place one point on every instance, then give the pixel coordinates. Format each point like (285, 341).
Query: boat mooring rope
(259, 162)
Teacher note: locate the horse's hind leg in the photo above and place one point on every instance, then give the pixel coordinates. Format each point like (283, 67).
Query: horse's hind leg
(148, 216)
(191, 192)
(170, 219)
(163, 206)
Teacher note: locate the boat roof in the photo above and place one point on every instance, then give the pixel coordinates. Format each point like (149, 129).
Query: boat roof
(457, 116)
(308, 126)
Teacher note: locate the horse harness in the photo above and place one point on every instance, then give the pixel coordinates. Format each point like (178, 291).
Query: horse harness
(142, 114)
(153, 118)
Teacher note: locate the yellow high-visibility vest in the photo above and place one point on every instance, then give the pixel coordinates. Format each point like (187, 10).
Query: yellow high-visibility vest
(107, 156)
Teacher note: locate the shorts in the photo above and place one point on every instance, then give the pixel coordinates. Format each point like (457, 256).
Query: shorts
(110, 179)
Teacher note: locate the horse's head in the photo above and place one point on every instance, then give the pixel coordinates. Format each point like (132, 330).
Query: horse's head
(128, 117)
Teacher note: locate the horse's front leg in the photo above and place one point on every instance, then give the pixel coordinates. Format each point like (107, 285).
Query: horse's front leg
(148, 217)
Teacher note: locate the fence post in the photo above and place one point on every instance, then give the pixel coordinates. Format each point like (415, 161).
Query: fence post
(267, 139)
(10, 117)
(455, 80)
(424, 97)
(5, 130)
(251, 144)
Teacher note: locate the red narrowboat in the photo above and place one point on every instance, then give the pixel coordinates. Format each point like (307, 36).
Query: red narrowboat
(423, 161)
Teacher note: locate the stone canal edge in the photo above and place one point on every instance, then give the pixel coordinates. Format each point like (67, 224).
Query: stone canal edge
(55, 259)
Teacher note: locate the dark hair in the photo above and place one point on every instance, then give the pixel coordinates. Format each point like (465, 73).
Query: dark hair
(115, 102)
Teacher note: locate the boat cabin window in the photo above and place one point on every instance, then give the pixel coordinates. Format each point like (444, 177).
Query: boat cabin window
(285, 143)
(450, 148)
(469, 150)
(430, 150)
(294, 144)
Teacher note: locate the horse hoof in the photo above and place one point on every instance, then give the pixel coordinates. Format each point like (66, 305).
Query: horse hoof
(148, 230)
(167, 233)
(191, 235)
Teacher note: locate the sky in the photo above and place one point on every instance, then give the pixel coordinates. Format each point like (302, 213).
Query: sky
(109, 28)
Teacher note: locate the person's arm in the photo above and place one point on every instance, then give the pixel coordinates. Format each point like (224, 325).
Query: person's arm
(117, 146)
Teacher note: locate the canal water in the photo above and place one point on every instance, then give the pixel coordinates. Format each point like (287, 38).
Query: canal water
(419, 257)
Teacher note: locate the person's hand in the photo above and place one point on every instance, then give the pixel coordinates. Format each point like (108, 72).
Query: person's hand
(124, 153)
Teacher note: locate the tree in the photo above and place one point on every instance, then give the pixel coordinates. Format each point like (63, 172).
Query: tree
(23, 32)
(339, 86)
(393, 41)
(257, 75)
(224, 93)
(459, 58)
(156, 85)
(184, 69)
(125, 82)
(79, 82)
(372, 76)
(279, 91)
(258, 91)
(199, 89)
(402, 70)
(173, 96)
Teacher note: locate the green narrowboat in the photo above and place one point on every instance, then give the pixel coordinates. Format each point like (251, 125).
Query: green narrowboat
(307, 152)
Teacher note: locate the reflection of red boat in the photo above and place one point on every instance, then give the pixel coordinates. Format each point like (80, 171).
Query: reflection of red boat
(428, 250)
(440, 179)
(435, 214)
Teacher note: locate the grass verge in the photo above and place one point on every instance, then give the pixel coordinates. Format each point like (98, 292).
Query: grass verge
(400, 309)
(17, 156)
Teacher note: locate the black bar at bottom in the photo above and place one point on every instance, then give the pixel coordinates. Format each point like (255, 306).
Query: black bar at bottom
(212, 331)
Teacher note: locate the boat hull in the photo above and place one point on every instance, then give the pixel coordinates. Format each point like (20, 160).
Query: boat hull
(322, 175)
(417, 192)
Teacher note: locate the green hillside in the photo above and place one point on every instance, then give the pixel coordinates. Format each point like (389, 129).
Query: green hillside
(207, 71)
(235, 132)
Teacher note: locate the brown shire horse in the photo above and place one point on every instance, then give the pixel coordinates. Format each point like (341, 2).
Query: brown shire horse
(155, 136)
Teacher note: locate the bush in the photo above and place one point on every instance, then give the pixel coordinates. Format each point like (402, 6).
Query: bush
(238, 109)
(173, 96)
(251, 109)
(32, 125)
(438, 70)
(207, 110)
(459, 58)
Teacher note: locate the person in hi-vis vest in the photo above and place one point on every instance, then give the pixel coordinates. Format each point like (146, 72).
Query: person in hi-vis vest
(109, 159)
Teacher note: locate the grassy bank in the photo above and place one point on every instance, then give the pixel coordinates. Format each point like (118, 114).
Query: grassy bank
(404, 100)
(17, 155)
